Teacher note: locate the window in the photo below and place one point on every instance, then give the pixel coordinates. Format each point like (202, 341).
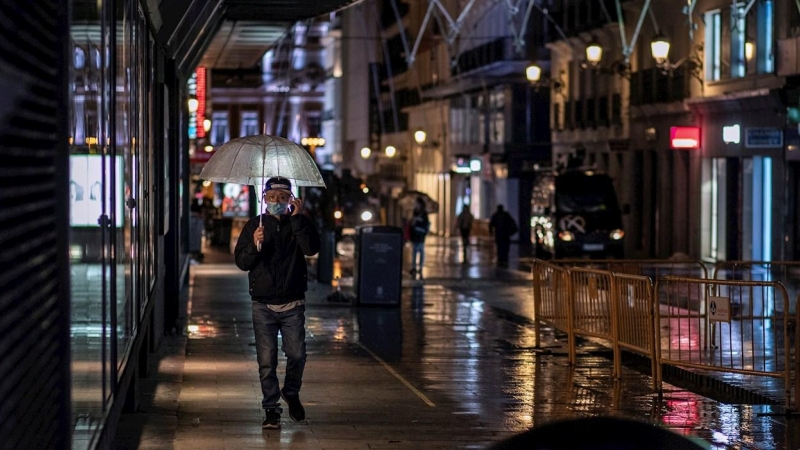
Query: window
(219, 128)
(738, 33)
(713, 44)
(765, 59)
(249, 123)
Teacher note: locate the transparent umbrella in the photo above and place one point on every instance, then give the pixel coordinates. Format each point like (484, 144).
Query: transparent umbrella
(254, 159)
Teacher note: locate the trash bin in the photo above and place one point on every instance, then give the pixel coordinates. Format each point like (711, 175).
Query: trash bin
(378, 265)
(327, 249)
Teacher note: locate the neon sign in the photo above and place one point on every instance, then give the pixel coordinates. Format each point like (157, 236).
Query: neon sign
(684, 138)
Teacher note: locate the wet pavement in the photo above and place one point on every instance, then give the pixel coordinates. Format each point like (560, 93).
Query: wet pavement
(454, 366)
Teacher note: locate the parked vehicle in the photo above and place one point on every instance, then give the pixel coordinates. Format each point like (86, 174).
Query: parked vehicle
(574, 214)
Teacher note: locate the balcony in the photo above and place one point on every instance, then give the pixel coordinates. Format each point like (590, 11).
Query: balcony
(653, 86)
(493, 58)
(589, 113)
(578, 16)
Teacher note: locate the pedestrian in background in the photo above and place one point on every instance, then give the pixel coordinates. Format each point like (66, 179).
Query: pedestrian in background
(502, 226)
(272, 248)
(464, 224)
(419, 226)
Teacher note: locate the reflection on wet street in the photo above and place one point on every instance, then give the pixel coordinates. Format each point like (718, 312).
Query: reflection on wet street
(454, 366)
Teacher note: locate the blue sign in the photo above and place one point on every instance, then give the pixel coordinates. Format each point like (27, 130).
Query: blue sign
(763, 137)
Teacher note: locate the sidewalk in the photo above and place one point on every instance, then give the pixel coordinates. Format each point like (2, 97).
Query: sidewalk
(453, 367)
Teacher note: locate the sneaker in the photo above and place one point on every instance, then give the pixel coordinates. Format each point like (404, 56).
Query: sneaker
(273, 420)
(296, 410)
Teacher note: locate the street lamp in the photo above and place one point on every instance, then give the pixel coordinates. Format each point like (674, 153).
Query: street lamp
(594, 53)
(390, 151)
(534, 75)
(207, 125)
(659, 48)
(365, 152)
(420, 136)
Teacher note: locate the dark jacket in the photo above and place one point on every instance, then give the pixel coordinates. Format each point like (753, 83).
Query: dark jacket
(419, 226)
(277, 273)
(502, 225)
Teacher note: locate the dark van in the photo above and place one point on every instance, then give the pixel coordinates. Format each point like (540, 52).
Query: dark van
(575, 214)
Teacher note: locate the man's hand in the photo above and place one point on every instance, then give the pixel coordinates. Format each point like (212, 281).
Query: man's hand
(258, 237)
(297, 204)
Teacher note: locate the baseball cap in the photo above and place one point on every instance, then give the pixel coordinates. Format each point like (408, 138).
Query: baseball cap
(278, 183)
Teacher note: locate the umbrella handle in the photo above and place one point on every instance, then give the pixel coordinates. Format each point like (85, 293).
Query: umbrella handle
(260, 225)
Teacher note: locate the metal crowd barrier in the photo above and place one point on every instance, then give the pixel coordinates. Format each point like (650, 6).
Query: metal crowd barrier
(592, 305)
(787, 272)
(636, 319)
(743, 331)
(617, 308)
(729, 326)
(551, 304)
(652, 268)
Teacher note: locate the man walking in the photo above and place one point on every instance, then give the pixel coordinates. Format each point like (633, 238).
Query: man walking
(272, 249)
(502, 225)
(419, 227)
(464, 224)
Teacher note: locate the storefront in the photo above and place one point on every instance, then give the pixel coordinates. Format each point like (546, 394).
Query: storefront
(663, 202)
(743, 178)
(122, 183)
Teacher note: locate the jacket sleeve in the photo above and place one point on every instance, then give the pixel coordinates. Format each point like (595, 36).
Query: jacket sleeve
(306, 234)
(246, 254)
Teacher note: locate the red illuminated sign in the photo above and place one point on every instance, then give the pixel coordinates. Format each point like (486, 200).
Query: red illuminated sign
(201, 101)
(684, 138)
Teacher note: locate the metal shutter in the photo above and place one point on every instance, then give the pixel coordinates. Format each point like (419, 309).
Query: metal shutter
(34, 270)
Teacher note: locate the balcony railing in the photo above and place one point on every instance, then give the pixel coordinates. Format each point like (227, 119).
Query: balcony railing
(654, 86)
(578, 16)
(499, 50)
(593, 112)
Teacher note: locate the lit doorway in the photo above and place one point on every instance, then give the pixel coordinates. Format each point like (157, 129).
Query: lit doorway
(757, 208)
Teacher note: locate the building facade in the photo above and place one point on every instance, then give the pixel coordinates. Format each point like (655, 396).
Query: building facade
(727, 81)
(451, 98)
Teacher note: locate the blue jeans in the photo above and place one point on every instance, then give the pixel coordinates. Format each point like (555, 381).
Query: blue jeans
(417, 248)
(291, 325)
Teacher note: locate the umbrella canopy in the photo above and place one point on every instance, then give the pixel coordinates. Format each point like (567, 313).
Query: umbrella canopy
(407, 199)
(253, 159)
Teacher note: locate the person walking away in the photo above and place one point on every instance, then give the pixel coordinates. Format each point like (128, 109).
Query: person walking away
(418, 229)
(464, 224)
(502, 226)
(272, 249)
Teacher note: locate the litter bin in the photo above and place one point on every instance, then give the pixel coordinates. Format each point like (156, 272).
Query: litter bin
(325, 258)
(378, 265)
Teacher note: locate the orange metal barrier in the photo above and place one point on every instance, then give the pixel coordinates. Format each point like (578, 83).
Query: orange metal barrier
(633, 295)
(787, 272)
(652, 268)
(551, 301)
(592, 306)
(742, 330)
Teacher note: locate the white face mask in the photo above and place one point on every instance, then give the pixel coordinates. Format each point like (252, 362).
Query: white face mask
(277, 209)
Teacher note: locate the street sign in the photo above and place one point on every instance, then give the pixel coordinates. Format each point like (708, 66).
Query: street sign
(719, 309)
(763, 137)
